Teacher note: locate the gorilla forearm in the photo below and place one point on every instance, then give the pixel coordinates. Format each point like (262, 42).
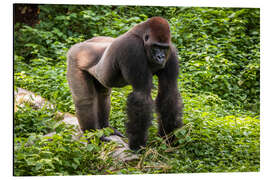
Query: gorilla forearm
(169, 101)
(139, 111)
(169, 111)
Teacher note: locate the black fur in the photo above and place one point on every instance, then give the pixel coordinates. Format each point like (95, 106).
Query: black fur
(98, 64)
(169, 101)
(139, 111)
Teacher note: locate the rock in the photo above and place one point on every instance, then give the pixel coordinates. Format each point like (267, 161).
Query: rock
(23, 96)
(122, 152)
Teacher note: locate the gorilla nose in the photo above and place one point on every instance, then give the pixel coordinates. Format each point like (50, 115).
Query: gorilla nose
(160, 58)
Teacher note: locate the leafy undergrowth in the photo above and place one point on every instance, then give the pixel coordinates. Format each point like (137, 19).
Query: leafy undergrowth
(212, 140)
(59, 154)
(219, 82)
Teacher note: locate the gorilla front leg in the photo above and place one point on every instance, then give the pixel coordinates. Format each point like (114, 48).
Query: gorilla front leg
(139, 111)
(169, 110)
(169, 101)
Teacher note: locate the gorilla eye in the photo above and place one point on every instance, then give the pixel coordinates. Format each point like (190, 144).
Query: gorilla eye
(146, 37)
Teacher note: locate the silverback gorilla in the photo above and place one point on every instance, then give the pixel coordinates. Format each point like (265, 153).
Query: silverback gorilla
(98, 64)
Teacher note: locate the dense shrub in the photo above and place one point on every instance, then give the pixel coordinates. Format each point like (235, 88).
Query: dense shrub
(29, 120)
(59, 154)
(220, 52)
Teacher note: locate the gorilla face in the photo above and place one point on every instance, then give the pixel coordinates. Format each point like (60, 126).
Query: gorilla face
(159, 54)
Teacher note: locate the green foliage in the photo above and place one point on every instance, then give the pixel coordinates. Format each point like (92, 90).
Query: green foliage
(61, 155)
(46, 79)
(219, 55)
(30, 120)
(216, 142)
(220, 52)
(218, 47)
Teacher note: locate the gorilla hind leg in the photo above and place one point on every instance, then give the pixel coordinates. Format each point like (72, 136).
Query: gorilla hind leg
(103, 104)
(84, 94)
(103, 108)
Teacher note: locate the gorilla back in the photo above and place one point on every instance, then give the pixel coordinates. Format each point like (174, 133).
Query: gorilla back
(98, 64)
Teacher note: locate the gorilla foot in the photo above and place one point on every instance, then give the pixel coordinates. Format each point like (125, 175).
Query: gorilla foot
(115, 132)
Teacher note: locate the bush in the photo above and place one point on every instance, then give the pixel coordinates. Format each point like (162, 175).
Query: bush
(61, 155)
(220, 52)
(29, 120)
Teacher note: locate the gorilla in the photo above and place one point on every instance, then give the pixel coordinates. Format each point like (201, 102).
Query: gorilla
(98, 64)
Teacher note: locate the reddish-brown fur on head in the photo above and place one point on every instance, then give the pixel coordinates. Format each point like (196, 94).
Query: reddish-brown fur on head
(160, 29)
